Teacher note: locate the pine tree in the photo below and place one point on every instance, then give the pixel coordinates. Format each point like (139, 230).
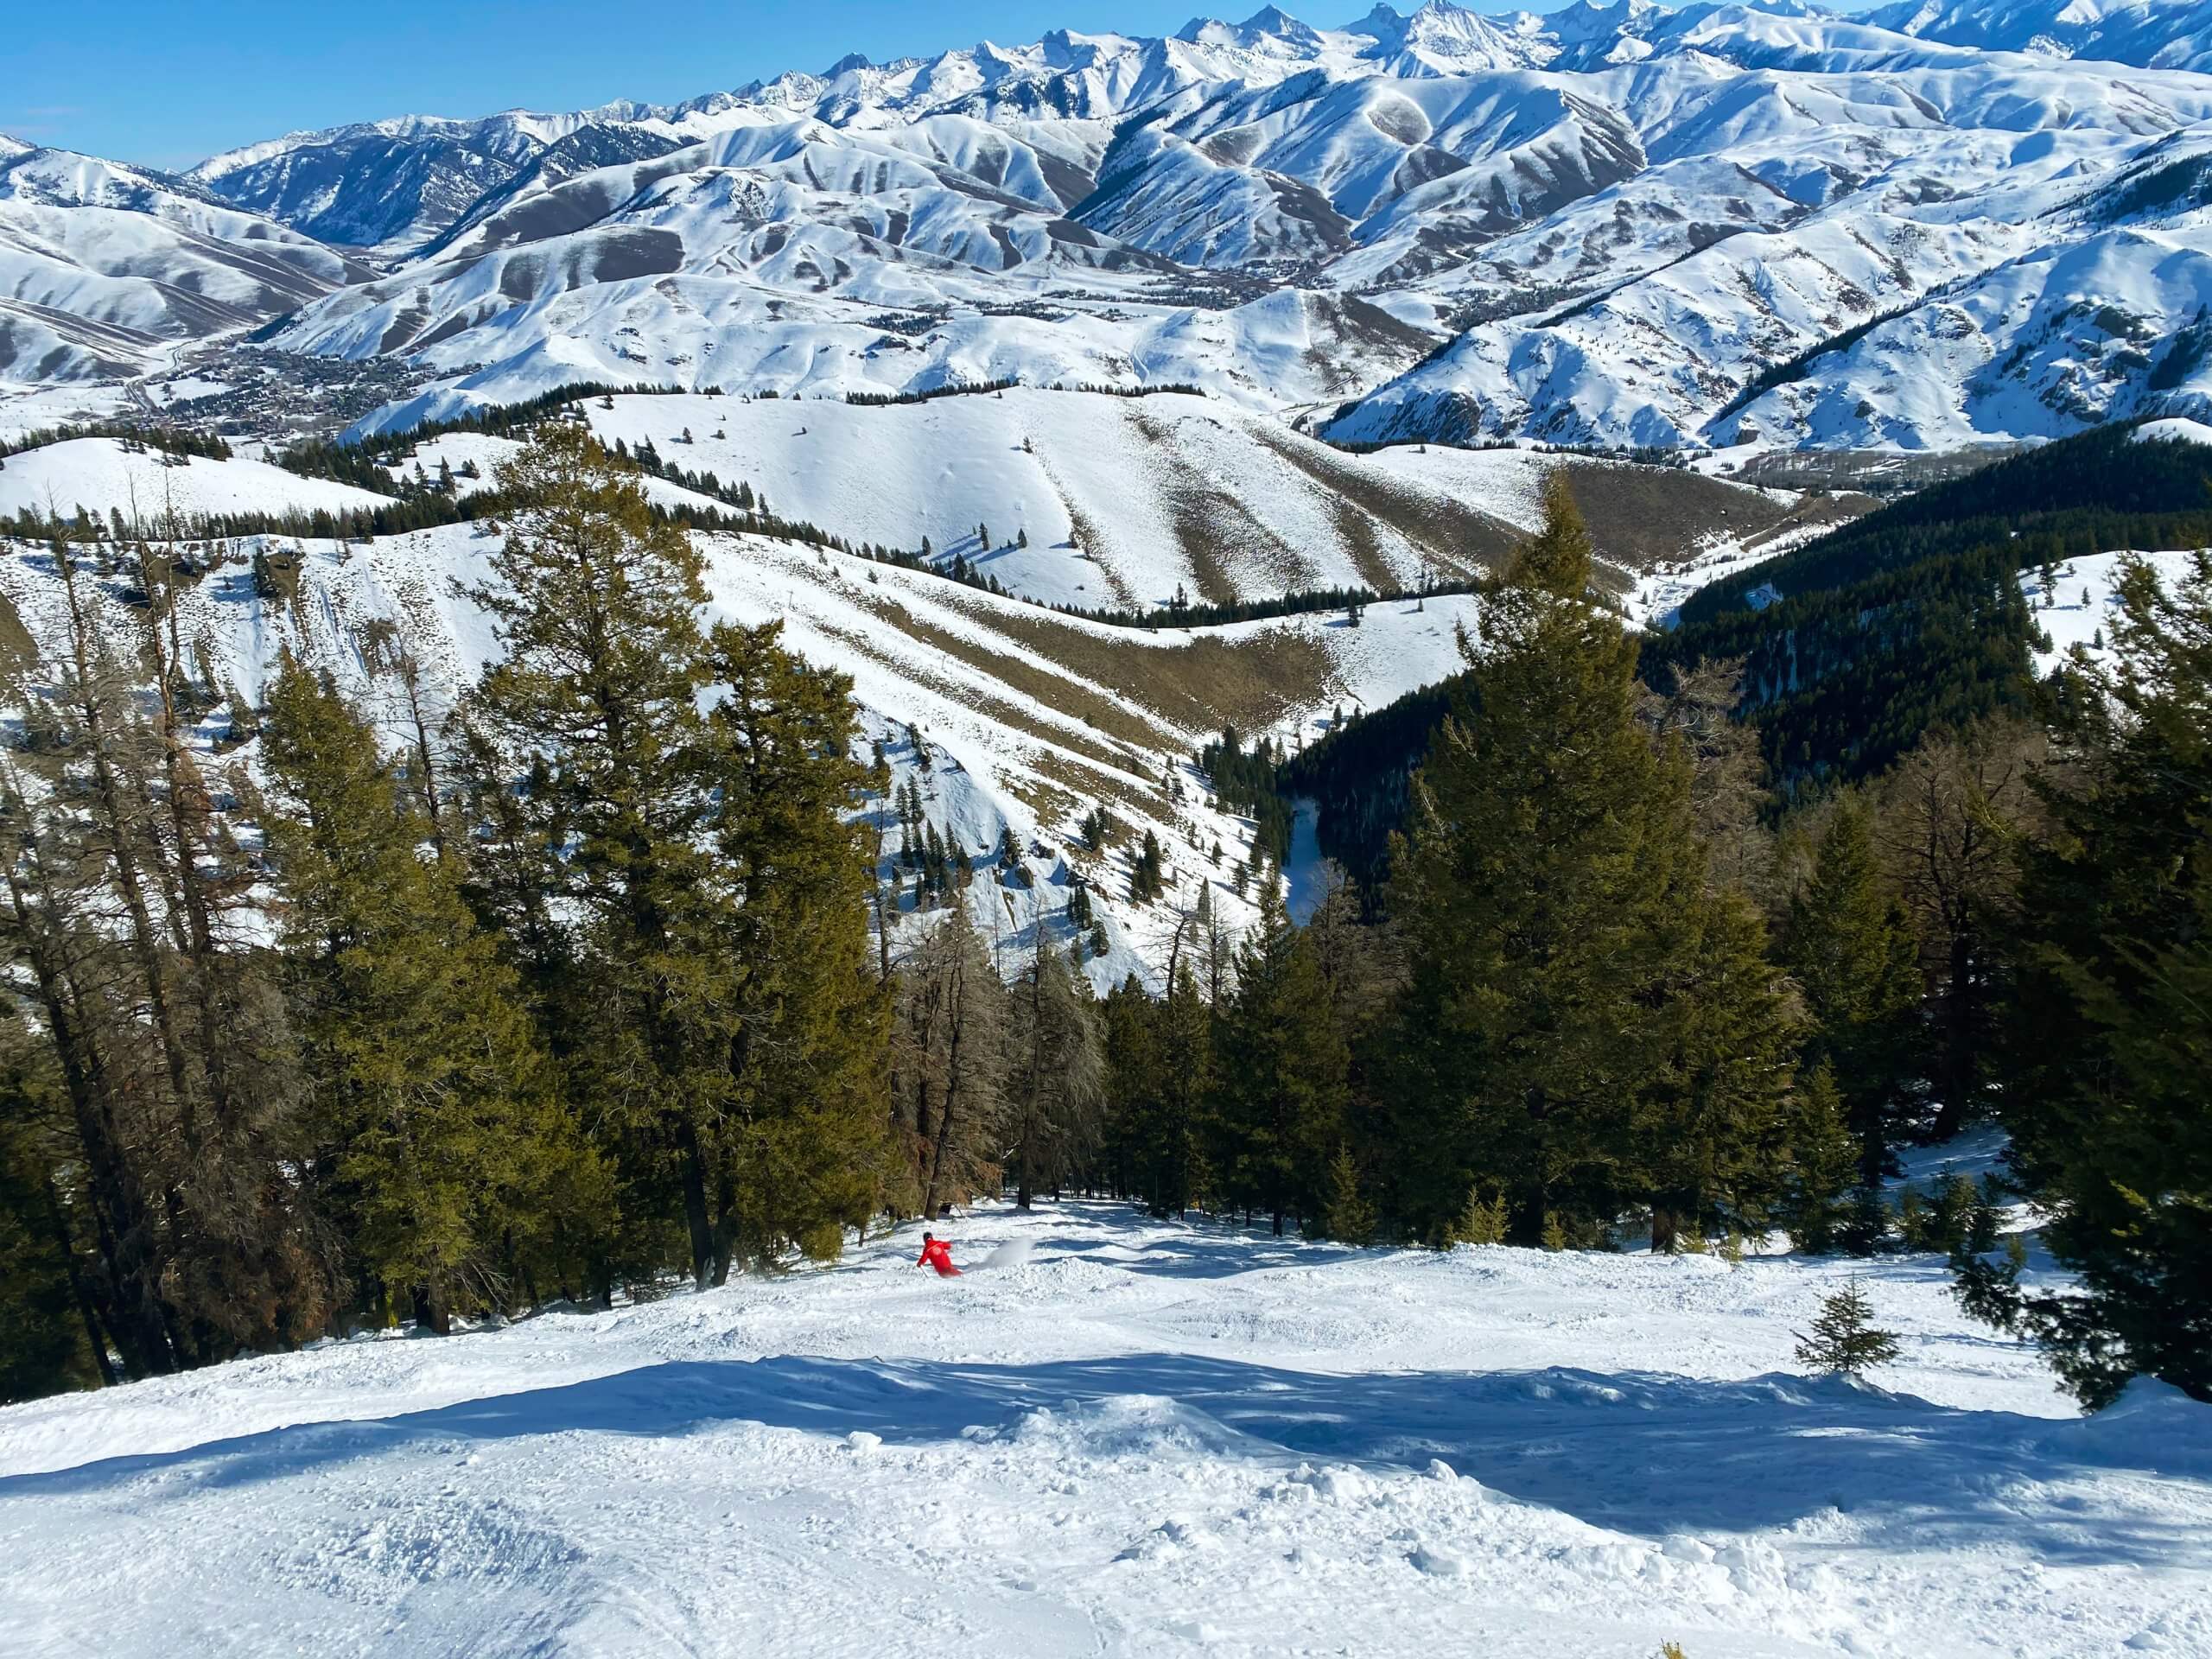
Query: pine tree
(1348, 1217)
(952, 1056)
(1852, 950)
(1952, 823)
(1823, 1160)
(435, 1119)
(1557, 560)
(811, 1155)
(1284, 1072)
(1481, 1221)
(1844, 1340)
(1056, 1082)
(596, 604)
(1709, 1129)
(50, 1334)
(2106, 1046)
(1549, 893)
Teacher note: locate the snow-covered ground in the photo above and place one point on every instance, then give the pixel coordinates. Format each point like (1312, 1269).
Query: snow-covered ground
(100, 475)
(2079, 605)
(1127, 1437)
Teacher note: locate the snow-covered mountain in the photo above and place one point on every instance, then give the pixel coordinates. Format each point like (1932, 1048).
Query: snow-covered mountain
(1618, 224)
(102, 266)
(2150, 34)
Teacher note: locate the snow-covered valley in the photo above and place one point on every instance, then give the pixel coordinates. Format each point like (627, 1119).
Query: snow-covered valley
(1121, 1436)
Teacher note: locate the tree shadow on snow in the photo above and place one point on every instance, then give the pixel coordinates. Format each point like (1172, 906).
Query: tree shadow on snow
(1636, 1452)
(1141, 1243)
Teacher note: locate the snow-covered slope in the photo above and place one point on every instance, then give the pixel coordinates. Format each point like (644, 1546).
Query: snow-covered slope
(146, 486)
(103, 266)
(1027, 720)
(2152, 34)
(1119, 500)
(1121, 1437)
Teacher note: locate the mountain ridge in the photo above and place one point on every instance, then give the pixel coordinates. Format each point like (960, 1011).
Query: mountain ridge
(1614, 226)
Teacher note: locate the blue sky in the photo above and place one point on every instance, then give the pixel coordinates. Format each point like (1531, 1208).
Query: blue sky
(167, 84)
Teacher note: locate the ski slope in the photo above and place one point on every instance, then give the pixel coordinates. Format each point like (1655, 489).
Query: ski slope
(1143, 1438)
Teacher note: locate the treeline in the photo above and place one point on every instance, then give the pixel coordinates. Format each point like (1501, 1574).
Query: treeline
(892, 399)
(1609, 987)
(164, 440)
(1574, 1018)
(1911, 618)
(1244, 781)
(1907, 621)
(2085, 495)
(571, 996)
(314, 457)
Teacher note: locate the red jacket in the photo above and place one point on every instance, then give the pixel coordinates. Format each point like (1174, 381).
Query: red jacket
(938, 1254)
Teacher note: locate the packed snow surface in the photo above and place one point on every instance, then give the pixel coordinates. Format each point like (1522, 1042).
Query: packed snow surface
(1129, 1437)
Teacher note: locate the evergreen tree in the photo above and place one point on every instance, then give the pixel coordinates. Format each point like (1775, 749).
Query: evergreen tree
(1822, 1162)
(1557, 560)
(1481, 1220)
(1708, 1134)
(1953, 820)
(1056, 1085)
(2106, 1044)
(1852, 950)
(1347, 1217)
(685, 830)
(1548, 894)
(809, 1153)
(50, 1334)
(1284, 1072)
(1844, 1339)
(438, 1128)
(595, 604)
(950, 1061)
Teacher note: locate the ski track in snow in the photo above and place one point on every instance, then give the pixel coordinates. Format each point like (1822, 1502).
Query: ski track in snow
(1146, 1437)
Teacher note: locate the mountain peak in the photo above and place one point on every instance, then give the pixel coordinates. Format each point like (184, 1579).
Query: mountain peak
(846, 65)
(1268, 23)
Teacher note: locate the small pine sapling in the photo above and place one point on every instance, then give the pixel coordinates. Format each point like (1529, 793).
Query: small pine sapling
(1844, 1340)
(1350, 1218)
(1482, 1222)
(1554, 1231)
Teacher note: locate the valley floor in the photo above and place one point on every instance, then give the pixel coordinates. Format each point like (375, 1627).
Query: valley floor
(1127, 1437)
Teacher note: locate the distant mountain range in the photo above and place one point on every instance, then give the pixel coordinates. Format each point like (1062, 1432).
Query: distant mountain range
(1927, 226)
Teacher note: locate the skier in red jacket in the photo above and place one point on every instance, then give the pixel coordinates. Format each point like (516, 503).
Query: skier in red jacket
(937, 1253)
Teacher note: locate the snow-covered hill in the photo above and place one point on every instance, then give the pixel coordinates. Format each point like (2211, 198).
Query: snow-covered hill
(103, 267)
(2151, 34)
(103, 478)
(1027, 720)
(1093, 501)
(1127, 1437)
